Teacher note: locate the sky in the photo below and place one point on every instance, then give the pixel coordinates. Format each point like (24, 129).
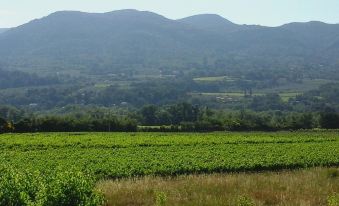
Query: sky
(264, 12)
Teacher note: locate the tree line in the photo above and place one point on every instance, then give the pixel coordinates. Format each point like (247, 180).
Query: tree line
(67, 124)
(175, 118)
(187, 117)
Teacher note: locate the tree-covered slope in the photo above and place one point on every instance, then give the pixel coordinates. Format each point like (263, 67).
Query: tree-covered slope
(2, 30)
(139, 40)
(106, 41)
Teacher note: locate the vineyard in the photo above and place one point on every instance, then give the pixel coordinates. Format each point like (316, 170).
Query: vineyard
(117, 155)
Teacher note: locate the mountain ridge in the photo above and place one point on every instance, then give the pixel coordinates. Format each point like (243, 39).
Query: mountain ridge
(138, 40)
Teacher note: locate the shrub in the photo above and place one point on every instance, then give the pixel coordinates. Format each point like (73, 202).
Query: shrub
(21, 188)
(160, 198)
(244, 201)
(18, 188)
(333, 200)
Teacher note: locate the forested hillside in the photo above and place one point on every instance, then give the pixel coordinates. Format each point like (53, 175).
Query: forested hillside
(125, 61)
(139, 41)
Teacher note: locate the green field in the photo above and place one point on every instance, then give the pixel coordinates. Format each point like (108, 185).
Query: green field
(285, 96)
(120, 155)
(305, 85)
(286, 91)
(215, 79)
(130, 154)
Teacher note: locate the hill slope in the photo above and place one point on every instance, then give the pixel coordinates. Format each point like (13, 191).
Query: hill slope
(216, 23)
(113, 40)
(2, 30)
(131, 40)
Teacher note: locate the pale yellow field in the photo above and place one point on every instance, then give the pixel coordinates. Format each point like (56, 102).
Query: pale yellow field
(310, 187)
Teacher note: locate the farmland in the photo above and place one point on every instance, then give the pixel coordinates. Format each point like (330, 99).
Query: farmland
(125, 155)
(285, 91)
(231, 96)
(133, 107)
(118, 155)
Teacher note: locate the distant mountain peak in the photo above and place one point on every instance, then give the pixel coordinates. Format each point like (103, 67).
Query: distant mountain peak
(208, 21)
(115, 12)
(124, 10)
(207, 18)
(128, 11)
(215, 23)
(133, 12)
(119, 14)
(66, 12)
(139, 39)
(309, 23)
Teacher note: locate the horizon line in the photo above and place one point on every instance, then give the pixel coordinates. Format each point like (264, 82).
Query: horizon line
(173, 19)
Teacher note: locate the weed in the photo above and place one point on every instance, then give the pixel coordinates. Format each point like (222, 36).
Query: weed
(244, 201)
(160, 198)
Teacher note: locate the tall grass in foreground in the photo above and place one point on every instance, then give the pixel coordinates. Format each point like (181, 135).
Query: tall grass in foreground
(309, 187)
(20, 188)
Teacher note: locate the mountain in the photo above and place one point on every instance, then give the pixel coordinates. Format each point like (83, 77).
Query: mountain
(314, 33)
(108, 41)
(213, 22)
(2, 30)
(141, 41)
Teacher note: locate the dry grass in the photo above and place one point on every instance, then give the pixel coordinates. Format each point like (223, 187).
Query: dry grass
(318, 186)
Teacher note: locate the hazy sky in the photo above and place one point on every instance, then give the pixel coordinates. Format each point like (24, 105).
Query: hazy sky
(264, 12)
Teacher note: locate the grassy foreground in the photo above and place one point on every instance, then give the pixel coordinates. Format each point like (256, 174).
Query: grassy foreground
(48, 168)
(312, 187)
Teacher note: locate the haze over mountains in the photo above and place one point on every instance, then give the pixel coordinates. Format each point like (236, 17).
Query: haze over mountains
(131, 39)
